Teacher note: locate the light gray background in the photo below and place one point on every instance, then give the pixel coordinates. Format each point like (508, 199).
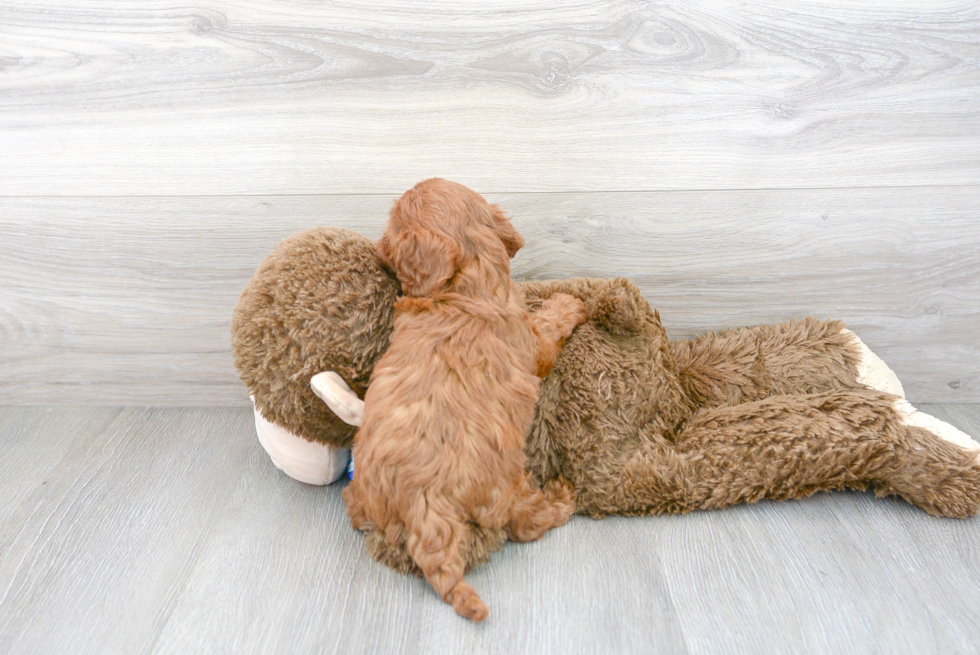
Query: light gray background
(742, 162)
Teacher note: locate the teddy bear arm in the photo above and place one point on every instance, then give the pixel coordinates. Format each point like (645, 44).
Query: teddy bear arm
(795, 357)
(790, 447)
(339, 397)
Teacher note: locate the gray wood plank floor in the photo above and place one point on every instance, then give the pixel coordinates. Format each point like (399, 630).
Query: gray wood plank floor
(168, 531)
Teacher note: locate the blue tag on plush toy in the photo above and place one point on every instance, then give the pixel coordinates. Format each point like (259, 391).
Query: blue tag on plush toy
(350, 466)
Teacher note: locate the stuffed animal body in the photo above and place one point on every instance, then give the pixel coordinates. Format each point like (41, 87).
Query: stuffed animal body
(637, 423)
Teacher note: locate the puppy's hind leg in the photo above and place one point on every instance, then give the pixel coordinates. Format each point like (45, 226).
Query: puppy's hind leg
(434, 542)
(535, 512)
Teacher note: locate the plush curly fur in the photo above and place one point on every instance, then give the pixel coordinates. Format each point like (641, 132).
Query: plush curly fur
(322, 301)
(441, 445)
(640, 424)
(768, 412)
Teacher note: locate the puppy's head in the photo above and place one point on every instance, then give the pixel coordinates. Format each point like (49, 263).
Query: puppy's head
(438, 227)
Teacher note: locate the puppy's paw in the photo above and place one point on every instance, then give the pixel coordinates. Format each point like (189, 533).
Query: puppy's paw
(561, 494)
(358, 519)
(567, 312)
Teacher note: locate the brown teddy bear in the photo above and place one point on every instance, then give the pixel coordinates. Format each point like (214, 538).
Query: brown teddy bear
(637, 423)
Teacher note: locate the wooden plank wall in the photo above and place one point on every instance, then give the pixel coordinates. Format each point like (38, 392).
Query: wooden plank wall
(743, 163)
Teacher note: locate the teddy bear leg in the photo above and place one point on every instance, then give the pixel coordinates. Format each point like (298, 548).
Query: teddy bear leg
(302, 460)
(937, 475)
(793, 446)
(795, 357)
(940, 465)
(912, 417)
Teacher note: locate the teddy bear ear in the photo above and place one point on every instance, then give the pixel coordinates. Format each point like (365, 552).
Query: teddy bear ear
(618, 307)
(422, 259)
(512, 239)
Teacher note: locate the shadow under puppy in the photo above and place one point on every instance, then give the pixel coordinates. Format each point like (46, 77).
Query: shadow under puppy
(440, 450)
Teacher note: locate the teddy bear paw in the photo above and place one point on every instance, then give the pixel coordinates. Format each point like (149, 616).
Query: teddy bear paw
(912, 417)
(873, 372)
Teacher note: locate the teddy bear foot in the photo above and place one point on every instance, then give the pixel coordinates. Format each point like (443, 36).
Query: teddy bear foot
(941, 472)
(953, 492)
(302, 460)
(956, 494)
(873, 372)
(912, 417)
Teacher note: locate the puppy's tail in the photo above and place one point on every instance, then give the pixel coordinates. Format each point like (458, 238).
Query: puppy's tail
(435, 535)
(467, 602)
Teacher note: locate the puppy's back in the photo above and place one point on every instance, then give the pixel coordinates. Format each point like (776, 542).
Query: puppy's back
(447, 409)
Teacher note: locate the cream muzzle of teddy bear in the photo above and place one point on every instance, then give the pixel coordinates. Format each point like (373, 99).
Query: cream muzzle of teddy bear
(306, 461)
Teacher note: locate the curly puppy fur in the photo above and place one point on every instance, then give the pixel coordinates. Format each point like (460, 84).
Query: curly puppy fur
(640, 424)
(441, 445)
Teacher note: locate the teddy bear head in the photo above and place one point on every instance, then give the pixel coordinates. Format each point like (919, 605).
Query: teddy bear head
(322, 301)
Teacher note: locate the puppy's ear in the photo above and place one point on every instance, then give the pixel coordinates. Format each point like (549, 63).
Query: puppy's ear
(422, 260)
(512, 239)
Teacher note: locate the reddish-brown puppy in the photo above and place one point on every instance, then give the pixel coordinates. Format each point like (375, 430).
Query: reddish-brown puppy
(440, 450)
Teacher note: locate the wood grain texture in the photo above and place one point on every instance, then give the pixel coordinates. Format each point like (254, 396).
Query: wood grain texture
(279, 97)
(98, 549)
(285, 552)
(129, 300)
(170, 531)
(34, 443)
